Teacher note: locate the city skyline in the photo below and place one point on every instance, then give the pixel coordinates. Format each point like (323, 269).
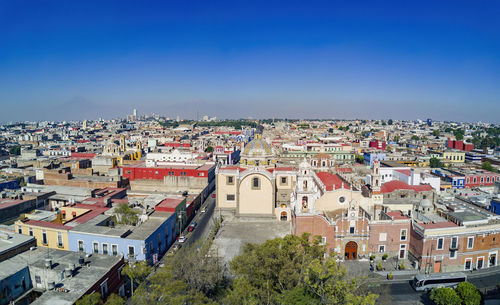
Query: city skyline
(76, 61)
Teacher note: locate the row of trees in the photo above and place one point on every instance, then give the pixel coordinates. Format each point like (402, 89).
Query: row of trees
(289, 270)
(466, 293)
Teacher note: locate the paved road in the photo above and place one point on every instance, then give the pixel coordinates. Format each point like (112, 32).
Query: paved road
(402, 293)
(204, 221)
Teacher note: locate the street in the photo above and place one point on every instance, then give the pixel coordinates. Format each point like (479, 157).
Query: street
(402, 293)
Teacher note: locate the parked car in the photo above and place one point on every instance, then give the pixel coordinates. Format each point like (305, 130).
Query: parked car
(213, 195)
(192, 226)
(176, 247)
(203, 210)
(182, 239)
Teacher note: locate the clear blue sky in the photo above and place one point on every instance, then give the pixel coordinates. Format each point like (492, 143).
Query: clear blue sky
(325, 59)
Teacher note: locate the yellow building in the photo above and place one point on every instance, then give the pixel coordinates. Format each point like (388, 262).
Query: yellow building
(453, 156)
(48, 234)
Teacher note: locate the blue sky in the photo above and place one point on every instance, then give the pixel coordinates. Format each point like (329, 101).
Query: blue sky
(232, 59)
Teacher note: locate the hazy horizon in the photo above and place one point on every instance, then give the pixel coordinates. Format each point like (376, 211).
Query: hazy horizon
(65, 60)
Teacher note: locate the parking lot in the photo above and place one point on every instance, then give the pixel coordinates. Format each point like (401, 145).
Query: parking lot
(236, 232)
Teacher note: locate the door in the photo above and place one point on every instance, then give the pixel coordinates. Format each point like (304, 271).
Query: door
(402, 251)
(351, 250)
(480, 263)
(493, 260)
(283, 216)
(437, 267)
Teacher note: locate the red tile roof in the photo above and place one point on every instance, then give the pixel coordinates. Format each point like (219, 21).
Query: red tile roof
(396, 215)
(391, 186)
(47, 224)
(438, 225)
(331, 181)
(407, 172)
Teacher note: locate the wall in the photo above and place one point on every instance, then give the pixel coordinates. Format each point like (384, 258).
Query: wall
(52, 241)
(253, 201)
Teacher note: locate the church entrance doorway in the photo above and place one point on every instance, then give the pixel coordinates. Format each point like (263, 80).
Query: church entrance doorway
(351, 250)
(283, 216)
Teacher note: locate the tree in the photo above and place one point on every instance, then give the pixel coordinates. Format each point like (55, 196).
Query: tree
(15, 150)
(90, 299)
(435, 163)
(435, 132)
(125, 215)
(487, 166)
(445, 296)
(468, 293)
(389, 122)
(115, 299)
(136, 272)
(328, 280)
(415, 138)
(209, 149)
(292, 270)
(163, 288)
(200, 271)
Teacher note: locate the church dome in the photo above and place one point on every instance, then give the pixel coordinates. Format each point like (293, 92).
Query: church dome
(257, 148)
(257, 152)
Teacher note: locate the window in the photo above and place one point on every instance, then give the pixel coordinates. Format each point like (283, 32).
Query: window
(283, 180)
(382, 237)
(453, 254)
(323, 240)
(19, 229)
(59, 240)
(44, 237)
(131, 251)
(105, 249)
(38, 280)
(468, 264)
(104, 289)
(230, 180)
(81, 247)
(440, 243)
(96, 248)
(351, 230)
(470, 242)
(403, 234)
(255, 183)
(31, 231)
(230, 197)
(454, 242)
(114, 249)
(381, 248)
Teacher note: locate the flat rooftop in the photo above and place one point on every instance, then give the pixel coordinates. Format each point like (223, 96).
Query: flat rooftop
(82, 280)
(11, 240)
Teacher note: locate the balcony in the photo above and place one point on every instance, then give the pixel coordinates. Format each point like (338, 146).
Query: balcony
(453, 247)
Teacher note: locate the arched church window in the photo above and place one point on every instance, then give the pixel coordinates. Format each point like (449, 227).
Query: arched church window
(255, 183)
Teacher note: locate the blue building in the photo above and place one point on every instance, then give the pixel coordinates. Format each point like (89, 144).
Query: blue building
(147, 241)
(11, 184)
(15, 280)
(370, 157)
(457, 182)
(495, 206)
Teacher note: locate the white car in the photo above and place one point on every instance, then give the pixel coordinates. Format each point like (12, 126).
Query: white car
(182, 239)
(203, 210)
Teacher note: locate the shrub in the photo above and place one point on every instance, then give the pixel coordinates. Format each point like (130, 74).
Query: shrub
(385, 256)
(379, 266)
(372, 257)
(468, 293)
(445, 296)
